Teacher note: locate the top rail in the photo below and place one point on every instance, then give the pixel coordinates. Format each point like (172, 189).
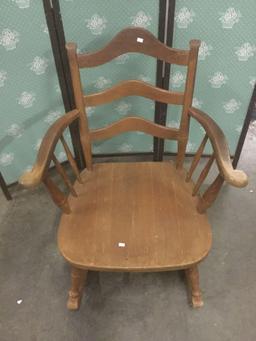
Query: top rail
(133, 39)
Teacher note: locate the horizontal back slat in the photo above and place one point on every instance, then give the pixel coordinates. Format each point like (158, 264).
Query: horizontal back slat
(133, 88)
(134, 124)
(134, 39)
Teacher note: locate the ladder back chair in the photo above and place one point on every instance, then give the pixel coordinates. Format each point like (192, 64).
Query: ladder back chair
(138, 216)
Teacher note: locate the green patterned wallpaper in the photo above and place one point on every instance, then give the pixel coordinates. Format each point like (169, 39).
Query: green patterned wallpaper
(91, 28)
(227, 65)
(29, 92)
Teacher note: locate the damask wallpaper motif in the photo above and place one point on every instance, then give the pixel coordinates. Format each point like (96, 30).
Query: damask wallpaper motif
(29, 91)
(226, 65)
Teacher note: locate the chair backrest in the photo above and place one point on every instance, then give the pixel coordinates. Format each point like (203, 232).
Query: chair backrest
(141, 41)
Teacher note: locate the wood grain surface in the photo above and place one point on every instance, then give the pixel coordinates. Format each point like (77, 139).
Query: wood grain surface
(146, 205)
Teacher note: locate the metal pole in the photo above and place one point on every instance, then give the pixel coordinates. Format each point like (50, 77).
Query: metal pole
(244, 131)
(161, 108)
(57, 38)
(159, 71)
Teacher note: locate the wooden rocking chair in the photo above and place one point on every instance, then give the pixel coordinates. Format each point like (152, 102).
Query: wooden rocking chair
(140, 216)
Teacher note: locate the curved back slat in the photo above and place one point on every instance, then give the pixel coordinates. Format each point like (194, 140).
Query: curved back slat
(134, 123)
(133, 88)
(134, 39)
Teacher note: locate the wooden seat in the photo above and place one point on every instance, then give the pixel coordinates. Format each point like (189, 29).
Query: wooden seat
(134, 216)
(146, 205)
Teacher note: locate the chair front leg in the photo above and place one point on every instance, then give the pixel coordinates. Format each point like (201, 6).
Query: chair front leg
(78, 277)
(192, 275)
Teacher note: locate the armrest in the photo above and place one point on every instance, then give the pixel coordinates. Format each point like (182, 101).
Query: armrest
(44, 156)
(234, 177)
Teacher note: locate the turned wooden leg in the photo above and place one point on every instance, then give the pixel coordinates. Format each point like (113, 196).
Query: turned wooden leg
(78, 277)
(192, 275)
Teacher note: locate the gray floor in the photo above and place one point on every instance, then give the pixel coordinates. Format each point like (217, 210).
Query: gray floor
(120, 307)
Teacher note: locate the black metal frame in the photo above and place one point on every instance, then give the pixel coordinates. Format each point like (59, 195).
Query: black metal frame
(159, 71)
(165, 34)
(57, 38)
(245, 128)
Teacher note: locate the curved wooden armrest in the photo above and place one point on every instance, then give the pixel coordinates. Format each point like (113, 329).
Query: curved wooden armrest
(234, 177)
(44, 156)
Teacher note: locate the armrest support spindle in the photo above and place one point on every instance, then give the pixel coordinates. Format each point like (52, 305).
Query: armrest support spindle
(210, 195)
(234, 177)
(64, 176)
(44, 156)
(203, 175)
(57, 195)
(196, 158)
(71, 159)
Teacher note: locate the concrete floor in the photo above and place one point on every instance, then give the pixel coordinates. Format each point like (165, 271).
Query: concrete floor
(125, 307)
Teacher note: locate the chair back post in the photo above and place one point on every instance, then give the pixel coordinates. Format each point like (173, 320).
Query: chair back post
(78, 94)
(188, 97)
